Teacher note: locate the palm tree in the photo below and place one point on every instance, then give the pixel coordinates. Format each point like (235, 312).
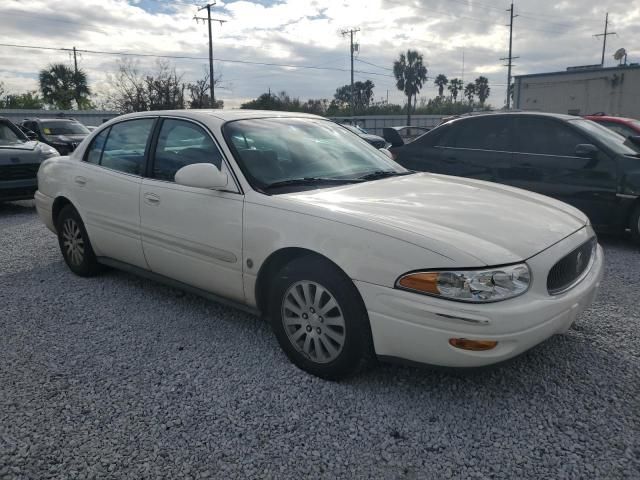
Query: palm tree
(61, 86)
(441, 80)
(410, 74)
(470, 92)
(455, 86)
(482, 89)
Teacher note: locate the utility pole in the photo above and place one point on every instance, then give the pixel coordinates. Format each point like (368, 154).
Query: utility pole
(510, 58)
(209, 20)
(75, 69)
(351, 31)
(604, 37)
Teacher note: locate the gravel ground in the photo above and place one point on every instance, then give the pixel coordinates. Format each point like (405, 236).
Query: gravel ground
(118, 377)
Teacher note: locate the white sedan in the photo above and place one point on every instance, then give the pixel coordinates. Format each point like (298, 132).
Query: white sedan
(349, 255)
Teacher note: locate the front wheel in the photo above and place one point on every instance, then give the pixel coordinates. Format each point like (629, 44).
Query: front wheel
(320, 319)
(74, 243)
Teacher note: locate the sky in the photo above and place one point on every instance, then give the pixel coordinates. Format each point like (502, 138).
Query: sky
(549, 35)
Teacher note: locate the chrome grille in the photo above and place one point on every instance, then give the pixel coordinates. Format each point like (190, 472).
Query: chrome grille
(569, 270)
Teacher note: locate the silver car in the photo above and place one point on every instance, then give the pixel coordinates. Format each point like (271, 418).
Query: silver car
(20, 159)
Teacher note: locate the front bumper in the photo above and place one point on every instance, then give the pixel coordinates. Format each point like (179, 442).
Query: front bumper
(18, 189)
(417, 328)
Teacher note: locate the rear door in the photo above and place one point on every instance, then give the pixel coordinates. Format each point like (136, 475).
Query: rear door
(545, 162)
(107, 189)
(471, 147)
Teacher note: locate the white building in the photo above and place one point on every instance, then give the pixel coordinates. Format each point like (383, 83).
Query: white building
(581, 91)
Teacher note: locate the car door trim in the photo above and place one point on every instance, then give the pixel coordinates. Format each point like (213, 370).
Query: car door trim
(624, 195)
(186, 247)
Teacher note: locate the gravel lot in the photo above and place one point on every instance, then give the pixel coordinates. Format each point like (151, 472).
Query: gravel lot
(118, 377)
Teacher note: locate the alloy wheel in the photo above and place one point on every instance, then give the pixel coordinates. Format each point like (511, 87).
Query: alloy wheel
(313, 321)
(72, 241)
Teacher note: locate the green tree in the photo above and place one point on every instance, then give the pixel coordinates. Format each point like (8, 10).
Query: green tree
(362, 95)
(61, 86)
(441, 81)
(455, 87)
(470, 92)
(28, 100)
(410, 74)
(482, 89)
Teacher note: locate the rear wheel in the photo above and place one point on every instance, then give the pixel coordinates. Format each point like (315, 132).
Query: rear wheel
(74, 243)
(320, 320)
(634, 224)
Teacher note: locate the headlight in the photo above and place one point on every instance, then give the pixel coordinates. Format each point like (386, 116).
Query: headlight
(476, 286)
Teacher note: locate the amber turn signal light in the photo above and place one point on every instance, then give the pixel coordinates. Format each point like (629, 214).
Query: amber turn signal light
(474, 345)
(422, 282)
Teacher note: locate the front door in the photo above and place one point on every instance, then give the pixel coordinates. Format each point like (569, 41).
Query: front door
(545, 162)
(193, 235)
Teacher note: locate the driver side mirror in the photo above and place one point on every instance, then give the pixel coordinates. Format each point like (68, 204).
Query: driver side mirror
(202, 175)
(586, 150)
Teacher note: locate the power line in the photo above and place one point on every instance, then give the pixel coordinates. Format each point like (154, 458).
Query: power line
(212, 100)
(187, 57)
(358, 59)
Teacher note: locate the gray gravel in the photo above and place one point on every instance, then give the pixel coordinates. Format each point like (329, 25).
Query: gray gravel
(118, 377)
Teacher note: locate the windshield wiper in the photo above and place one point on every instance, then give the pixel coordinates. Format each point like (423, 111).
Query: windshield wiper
(382, 174)
(311, 181)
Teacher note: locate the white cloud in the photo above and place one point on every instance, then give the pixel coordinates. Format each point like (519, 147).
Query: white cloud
(549, 36)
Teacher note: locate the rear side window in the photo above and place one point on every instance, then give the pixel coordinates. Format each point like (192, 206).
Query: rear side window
(182, 143)
(485, 133)
(94, 152)
(126, 146)
(547, 137)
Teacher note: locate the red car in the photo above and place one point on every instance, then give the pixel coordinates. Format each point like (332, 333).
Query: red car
(627, 127)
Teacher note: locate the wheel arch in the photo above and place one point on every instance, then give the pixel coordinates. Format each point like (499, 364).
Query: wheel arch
(58, 204)
(274, 263)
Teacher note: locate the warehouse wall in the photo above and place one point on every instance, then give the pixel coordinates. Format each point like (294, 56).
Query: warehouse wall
(615, 91)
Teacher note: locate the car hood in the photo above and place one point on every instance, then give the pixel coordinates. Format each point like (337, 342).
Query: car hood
(26, 146)
(460, 218)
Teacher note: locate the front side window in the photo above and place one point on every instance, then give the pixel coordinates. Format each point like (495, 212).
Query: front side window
(275, 152)
(182, 143)
(618, 128)
(126, 146)
(612, 140)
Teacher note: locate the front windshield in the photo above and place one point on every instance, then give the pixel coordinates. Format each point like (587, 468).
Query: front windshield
(611, 139)
(274, 150)
(63, 128)
(10, 136)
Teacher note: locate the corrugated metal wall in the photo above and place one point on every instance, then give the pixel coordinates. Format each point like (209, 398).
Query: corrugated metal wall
(86, 117)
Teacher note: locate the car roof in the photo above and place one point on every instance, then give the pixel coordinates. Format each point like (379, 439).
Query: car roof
(609, 118)
(50, 120)
(223, 115)
(560, 116)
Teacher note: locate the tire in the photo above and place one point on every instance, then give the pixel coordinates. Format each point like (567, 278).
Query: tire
(634, 225)
(330, 341)
(74, 243)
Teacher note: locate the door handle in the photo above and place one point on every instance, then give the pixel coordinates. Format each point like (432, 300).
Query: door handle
(151, 198)
(80, 181)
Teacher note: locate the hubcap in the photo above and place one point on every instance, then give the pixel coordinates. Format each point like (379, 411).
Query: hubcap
(313, 321)
(72, 241)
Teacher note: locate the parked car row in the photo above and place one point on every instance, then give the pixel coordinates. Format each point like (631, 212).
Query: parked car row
(568, 158)
(349, 255)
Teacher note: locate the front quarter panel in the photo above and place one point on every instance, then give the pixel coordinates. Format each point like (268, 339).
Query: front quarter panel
(362, 254)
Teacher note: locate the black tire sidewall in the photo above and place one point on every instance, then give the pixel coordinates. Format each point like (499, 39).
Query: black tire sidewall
(357, 351)
(89, 265)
